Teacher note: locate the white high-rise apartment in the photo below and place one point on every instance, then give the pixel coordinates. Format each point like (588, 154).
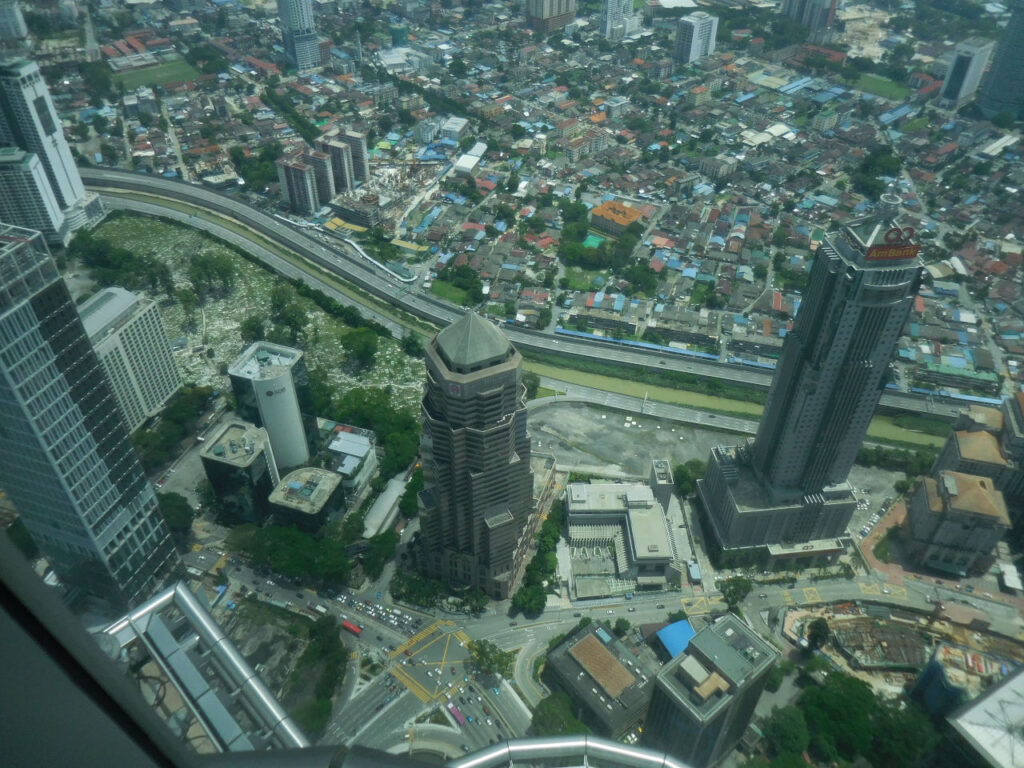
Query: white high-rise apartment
(128, 336)
(12, 23)
(65, 459)
(695, 36)
(26, 198)
(29, 121)
(615, 16)
(298, 32)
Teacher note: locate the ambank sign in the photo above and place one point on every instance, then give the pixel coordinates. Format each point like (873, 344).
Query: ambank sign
(897, 246)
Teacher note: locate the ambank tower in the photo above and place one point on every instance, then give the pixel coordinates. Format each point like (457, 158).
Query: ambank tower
(785, 495)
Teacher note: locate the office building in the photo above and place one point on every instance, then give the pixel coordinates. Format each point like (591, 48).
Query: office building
(298, 33)
(615, 15)
(342, 169)
(239, 463)
(970, 58)
(695, 36)
(271, 388)
(26, 199)
(954, 522)
(789, 486)
(704, 697)
(128, 336)
(546, 16)
(12, 23)
(298, 185)
(29, 121)
(1003, 88)
(65, 458)
(352, 456)
(478, 485)
(609, 686)
(813, 14)
(306, 498)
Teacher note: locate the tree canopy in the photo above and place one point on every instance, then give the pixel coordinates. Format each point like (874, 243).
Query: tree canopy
(490, 659)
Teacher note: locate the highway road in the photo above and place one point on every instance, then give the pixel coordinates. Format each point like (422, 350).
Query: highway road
(346, 263)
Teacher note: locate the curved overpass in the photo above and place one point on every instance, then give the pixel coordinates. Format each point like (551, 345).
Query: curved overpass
(346, 263)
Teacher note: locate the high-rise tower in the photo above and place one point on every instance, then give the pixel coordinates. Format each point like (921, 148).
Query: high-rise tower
(813, 14)
(298, 32)
(545, 16)
(26, 198)
(695, 36)
(789, 485)
(478, 493)
(271, 387)
(968, 65)
(29, 122)
(65, 458)
(1003, 89)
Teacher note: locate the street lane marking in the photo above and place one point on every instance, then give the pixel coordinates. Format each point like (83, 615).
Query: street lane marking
(870, 589)
(412, 684)
(812, 595)
(788, 597)
(417, 638)
(715, 600)
(695, 604)
(900, 592)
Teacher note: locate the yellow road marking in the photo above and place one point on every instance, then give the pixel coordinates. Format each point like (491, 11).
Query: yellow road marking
(870, 589)
(812, 595)
(412, 684)
(695, 604)
(900, 592)
(788, 597)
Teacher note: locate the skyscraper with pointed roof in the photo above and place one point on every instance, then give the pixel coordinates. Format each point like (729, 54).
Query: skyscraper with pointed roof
(478, 486)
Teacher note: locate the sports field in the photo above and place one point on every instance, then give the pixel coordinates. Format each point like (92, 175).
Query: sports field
(169, 72)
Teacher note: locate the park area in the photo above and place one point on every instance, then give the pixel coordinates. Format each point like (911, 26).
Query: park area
(167, 72)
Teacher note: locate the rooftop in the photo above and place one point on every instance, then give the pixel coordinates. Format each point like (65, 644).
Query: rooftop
(994, 722)
(602, 666)
(306, 490)
(613, 210)
(608, 497)
(974, 494)
(472, 341)
(980, 446)
(237, 443)
(107, 309)
(264, 360)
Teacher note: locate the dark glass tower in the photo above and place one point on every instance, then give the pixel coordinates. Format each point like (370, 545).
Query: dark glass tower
(789, 485)
(1003, 89)
(65, 459)
(478, 493)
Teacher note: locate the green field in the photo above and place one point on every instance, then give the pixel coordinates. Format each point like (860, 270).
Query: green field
(448, 292)
(881, 428)
(581, 279)
(169, 72)
(882, 86)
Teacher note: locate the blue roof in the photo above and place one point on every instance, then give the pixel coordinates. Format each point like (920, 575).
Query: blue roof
(675, 637)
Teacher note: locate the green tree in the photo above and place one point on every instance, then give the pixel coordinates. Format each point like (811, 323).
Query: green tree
(818, 633)
(177, 512)
(252, 328)
(381, 548)
(490, 659)
(735, 590)
(531, 381)
(361, 346)
(554, 716)
(903, 735)
(675, 616)
(530, 600)
(409, 503)
(842, 711)
(786, 731)
(621, 627)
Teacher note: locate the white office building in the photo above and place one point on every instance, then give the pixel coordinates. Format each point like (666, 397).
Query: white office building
(268, 380)
(28, 121)
(65, 459)
(26, 199)
(12, 23)
(128, 336)
(695, 36)
(615, 18)
(970, 57)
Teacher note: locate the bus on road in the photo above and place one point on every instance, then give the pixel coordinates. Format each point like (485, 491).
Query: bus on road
(459, 717)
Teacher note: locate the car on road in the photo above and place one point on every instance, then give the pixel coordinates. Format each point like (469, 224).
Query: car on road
(496, 691)
(611, 612)
(763, 596)
(453, 670)
(487, 710)
(465, 748)
(577, 615)
(632, 609)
